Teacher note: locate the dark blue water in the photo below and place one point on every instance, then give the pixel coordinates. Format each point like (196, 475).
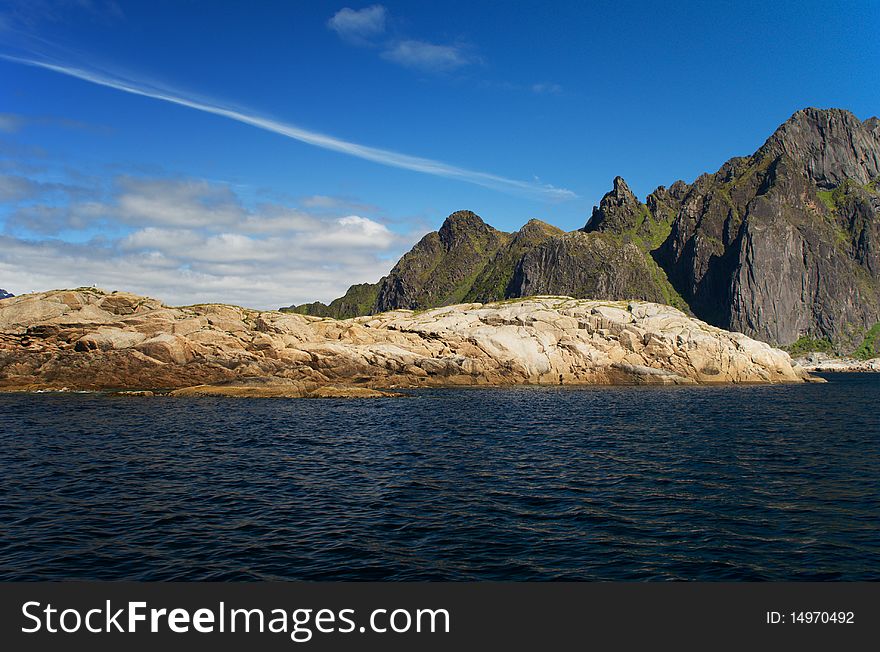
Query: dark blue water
(710, 483)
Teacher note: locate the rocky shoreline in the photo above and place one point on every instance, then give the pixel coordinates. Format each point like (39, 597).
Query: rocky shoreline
(824, 363)
(92, 340)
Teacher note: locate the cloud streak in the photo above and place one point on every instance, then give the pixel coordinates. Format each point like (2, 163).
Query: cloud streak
(429, 57)
(374, 154)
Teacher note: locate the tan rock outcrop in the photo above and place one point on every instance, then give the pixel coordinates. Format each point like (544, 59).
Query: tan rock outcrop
(90, 339)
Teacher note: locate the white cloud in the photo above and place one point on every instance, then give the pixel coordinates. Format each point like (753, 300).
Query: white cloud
(14, 187)
(382, 156)
(187, 248)
(268, 283)
(273, 218)
(428, 57)
(359, 26)
(178, 203)
(366, 27)
(355, 231)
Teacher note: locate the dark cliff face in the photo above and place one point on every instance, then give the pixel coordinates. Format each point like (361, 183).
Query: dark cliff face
(778, 245)
(784, 243)
(496, 280)
(4, 294)
(591, 265)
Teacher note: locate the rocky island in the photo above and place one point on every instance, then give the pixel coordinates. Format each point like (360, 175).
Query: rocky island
(782, 246)
(89, 339)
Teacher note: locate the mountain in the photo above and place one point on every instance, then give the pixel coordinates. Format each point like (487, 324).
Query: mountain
(469, 261)
(782, 245)
(4, 294)
(785, 243)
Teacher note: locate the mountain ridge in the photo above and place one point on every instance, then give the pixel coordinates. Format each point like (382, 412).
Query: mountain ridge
(780, 245)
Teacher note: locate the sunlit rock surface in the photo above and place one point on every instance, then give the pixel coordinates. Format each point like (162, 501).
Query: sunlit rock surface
(88, 339)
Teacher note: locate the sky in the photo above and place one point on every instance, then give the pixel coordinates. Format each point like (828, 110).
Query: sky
(272, 153)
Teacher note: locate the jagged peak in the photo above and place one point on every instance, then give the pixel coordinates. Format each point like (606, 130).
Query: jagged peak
(619, 197)
(676, 191)
(621, 188)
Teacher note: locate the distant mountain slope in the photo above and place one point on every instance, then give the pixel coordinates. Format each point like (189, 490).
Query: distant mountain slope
(783, 245)
(4, 294)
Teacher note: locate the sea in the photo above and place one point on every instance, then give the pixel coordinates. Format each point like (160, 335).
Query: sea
(759, 482)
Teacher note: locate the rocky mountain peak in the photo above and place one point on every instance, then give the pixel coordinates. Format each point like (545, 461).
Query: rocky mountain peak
(620, 195)
(618, 211)
(830, 145)
(461, 222)
(463, 228)
(621, 189)
(4, 294)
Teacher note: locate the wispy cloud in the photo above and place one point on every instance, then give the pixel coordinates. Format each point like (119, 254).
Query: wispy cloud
(359, 26)
(13, 123)
(29, 13)
(428, 57)
(325, 203)
(366, 27)
(374, 154)
(369, 28)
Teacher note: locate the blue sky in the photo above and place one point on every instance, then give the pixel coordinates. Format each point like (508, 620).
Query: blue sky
(275, 153)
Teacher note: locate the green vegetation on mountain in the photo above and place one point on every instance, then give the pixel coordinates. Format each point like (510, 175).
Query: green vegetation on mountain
(806, 344)
(870, 346)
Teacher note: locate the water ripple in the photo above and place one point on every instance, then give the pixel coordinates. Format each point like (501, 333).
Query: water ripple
(720, 483)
